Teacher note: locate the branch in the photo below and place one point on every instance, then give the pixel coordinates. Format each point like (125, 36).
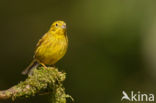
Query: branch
(42, 81)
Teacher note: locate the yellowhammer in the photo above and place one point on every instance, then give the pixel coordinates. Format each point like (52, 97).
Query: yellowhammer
(51, 47)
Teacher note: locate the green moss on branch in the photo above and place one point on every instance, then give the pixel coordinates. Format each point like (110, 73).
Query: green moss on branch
(43, 80)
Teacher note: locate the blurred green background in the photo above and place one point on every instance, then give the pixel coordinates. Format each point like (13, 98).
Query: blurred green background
(112, 45)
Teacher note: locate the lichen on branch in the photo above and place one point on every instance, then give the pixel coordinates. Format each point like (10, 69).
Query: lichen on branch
(42, 81)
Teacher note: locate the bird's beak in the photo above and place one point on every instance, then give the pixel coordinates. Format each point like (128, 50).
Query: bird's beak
(63, 26)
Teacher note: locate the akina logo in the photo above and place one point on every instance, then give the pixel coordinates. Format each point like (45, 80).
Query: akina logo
(138, 96)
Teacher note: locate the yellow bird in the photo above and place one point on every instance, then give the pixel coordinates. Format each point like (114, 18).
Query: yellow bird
(51, 47)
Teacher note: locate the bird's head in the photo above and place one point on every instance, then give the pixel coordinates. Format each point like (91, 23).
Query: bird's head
(58, 26)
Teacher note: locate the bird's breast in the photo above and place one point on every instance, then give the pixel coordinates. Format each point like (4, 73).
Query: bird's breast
(51, 50)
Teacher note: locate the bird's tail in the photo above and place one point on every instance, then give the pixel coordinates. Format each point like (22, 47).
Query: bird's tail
(29, 69)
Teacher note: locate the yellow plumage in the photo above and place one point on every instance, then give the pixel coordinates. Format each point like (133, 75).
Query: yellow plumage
(51, 47)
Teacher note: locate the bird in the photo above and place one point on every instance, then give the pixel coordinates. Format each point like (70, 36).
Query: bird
(51, 47)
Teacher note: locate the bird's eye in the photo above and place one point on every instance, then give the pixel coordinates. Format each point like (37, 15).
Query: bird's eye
(56, 24)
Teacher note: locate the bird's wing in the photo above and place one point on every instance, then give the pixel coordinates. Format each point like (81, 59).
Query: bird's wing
(45, 36)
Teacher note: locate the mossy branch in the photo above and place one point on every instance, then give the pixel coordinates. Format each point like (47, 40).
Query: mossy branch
(42, 81)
